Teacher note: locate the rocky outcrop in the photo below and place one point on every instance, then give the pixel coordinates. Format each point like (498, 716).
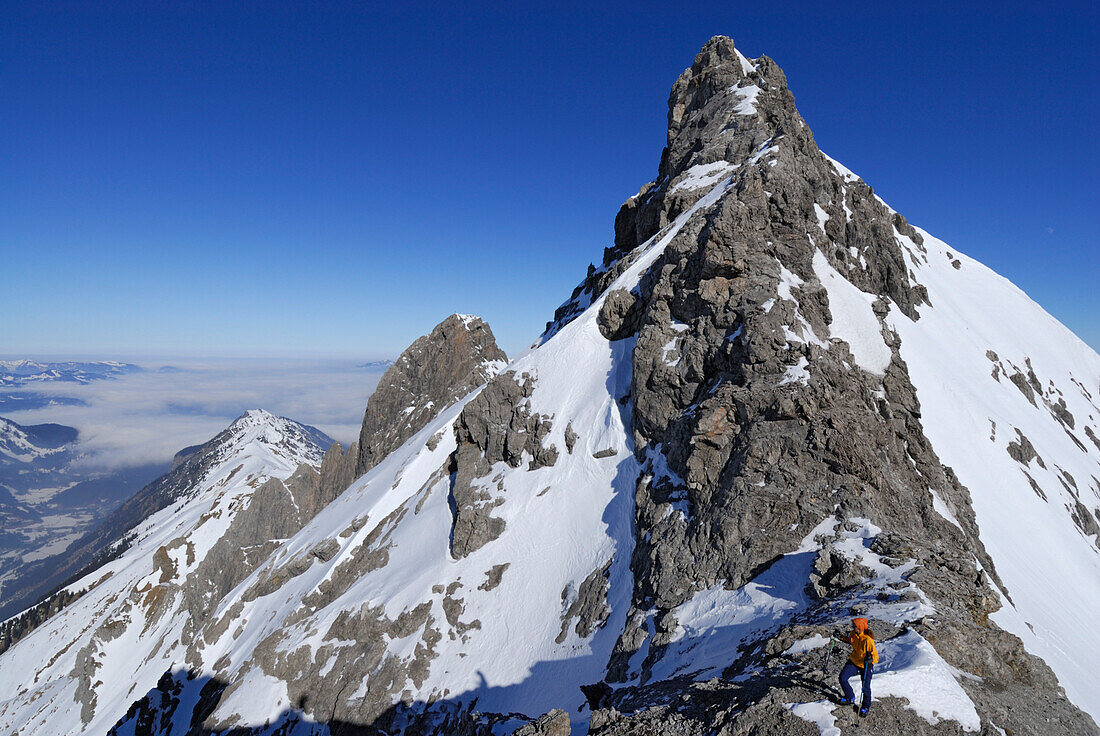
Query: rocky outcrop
(434, 372)
(338, 469)
(496, 426)
(554, 723)
(755, 421)
(276, 511)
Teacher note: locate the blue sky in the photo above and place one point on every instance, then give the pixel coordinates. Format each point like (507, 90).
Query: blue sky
(311, 179)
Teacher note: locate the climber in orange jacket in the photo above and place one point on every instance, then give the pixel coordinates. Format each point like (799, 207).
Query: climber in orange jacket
(861, 661)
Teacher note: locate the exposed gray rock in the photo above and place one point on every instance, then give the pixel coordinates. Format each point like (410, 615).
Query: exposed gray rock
(1020, 381)
(434, 372)
(762, 458)
(1022, 451)
(554, 723)
(587, 605)
(1062, 413)
(276, 511)
(618, 317)
(496, 426)
(493, 576)
(1092, 436)
(337, 470)
(571, 438)
(833, 572)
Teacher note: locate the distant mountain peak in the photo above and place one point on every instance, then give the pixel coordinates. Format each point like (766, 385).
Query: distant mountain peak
(22, 372)
(262, 427)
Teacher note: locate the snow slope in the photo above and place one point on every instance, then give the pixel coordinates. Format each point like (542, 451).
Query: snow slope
(115, 636)
(980, 324)
(562, 524)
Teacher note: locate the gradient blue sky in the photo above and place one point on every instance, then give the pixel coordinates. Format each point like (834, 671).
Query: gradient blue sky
(303, 179)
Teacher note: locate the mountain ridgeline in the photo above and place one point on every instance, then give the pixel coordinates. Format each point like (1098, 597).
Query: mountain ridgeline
(775, 404)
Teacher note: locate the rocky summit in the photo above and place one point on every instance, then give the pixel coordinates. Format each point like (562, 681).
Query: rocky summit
(438, 369)
(773, 406)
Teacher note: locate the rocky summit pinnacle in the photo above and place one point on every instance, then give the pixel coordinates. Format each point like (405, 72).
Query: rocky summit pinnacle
(439, 368)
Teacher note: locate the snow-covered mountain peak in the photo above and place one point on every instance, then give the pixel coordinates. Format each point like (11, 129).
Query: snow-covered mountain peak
(25, 444)
(280, 436)
(160, 562)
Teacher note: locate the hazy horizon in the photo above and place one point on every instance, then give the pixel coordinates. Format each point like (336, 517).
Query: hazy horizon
(146, 417)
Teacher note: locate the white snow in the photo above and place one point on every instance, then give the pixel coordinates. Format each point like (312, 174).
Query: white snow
(679, 326)
(765, 150)
(746, 66)
(806, 645)
(819, 713)
(974, 311)
(909, 667)
(796, 373)
(940, 507)
(788, 281)
(822, 216)
(667, 348)
(748, 94)
(854, 321)
(702, 176)
(841, 169)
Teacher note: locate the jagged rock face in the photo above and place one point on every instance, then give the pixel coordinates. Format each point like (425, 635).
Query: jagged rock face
(766, 426)
(439, 368)
(496, 426)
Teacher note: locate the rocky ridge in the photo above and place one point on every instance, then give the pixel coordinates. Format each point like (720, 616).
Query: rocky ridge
(434, 372)
(764, 421)
(111, 538)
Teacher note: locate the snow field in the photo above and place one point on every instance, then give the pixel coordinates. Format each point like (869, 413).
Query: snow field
(701, 176)
(970, 418)
(853, 319)
(909, 667)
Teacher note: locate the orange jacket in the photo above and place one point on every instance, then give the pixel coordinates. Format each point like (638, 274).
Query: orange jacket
(862, 645)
